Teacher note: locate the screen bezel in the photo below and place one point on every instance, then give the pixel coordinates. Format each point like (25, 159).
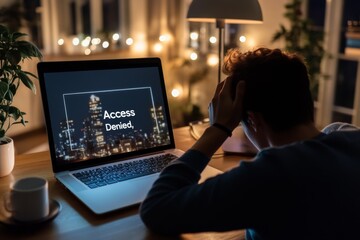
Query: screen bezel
(87, 65)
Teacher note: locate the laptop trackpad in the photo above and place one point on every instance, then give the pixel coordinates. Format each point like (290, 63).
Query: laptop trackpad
(119, 195)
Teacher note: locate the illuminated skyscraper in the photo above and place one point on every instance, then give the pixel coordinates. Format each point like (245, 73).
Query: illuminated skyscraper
(68, 144)
(160, 131)
(93, 128)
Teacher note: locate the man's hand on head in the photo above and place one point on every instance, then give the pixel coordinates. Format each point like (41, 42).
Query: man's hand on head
(228, 110)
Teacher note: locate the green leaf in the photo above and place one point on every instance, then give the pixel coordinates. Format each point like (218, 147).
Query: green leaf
(26, 80)
(14, 112)
(27, 49)
(13, 89)
(2, 133)
(16, 35)
(2, 117)
(4, 87)
(14, 57)
(9, 96)
(5, 108)
(2, 53)
(31, 74)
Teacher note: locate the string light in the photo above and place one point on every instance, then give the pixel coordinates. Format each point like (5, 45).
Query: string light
(164, 38)
(116, 36)
(129, 41)
(85, 42)
(194, 35)
(175, 93)
(95, 41)
(75, 41)
(212, 39)
(105, 44)
(242, 39)
(90, 44)
(193, 56)
(61, 42)
(87, 51)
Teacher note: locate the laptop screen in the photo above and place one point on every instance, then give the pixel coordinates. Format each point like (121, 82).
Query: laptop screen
(104, 110)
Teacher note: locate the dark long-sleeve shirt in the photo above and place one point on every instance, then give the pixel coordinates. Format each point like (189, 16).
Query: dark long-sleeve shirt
(305, 190)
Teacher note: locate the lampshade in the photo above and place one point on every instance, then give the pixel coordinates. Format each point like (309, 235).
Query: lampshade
(231, 11)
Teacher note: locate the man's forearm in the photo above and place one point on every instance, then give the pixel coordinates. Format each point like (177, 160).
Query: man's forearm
(210, 141)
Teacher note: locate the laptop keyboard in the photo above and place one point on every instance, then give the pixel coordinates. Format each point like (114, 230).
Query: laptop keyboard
(123, 171)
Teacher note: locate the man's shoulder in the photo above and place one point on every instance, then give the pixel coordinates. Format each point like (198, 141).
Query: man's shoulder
(350, 136)
(339, 126)
(336, 141)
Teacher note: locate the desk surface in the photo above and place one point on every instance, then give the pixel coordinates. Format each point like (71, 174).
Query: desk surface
(75, 221)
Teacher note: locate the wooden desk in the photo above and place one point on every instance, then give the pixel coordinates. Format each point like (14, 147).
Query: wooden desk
(75, 221)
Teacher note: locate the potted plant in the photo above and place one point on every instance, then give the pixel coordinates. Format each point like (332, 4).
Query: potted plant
(13, 51)
(304, 38)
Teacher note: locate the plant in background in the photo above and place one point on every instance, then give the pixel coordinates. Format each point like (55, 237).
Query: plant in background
(13, 51)
(190, 73)
(304, 38)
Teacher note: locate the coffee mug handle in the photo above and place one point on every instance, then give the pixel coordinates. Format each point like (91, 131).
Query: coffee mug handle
(7, 202)
(211, 113)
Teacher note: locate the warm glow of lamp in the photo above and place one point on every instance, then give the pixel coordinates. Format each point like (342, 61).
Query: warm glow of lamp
(212, 60)
(140, 46)
(158, 47)
(222, 12)
(251, 43)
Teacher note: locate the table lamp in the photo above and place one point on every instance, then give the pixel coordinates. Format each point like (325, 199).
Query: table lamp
(224, 11)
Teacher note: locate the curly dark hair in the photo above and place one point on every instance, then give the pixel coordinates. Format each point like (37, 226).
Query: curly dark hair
(277, 85)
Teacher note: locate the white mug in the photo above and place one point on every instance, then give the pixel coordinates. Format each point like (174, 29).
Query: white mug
(7, 158)
(28, 199)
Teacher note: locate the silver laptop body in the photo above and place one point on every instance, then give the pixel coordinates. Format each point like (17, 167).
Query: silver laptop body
(103, 115)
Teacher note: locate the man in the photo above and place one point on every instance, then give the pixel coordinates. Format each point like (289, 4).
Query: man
(303, 184)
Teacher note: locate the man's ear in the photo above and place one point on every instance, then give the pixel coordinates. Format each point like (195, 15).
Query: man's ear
(251, 121)
(255, 121)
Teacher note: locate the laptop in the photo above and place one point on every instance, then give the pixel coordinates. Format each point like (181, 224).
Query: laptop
(109, 128)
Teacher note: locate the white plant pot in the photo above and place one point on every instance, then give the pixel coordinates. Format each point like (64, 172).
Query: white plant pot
(7, 157)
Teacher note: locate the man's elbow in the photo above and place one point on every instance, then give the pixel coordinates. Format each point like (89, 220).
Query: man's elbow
(157, 221)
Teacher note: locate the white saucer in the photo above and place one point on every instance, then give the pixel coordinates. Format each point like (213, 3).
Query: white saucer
(8, 220)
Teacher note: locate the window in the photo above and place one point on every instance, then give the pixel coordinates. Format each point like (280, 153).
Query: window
(341, 90)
